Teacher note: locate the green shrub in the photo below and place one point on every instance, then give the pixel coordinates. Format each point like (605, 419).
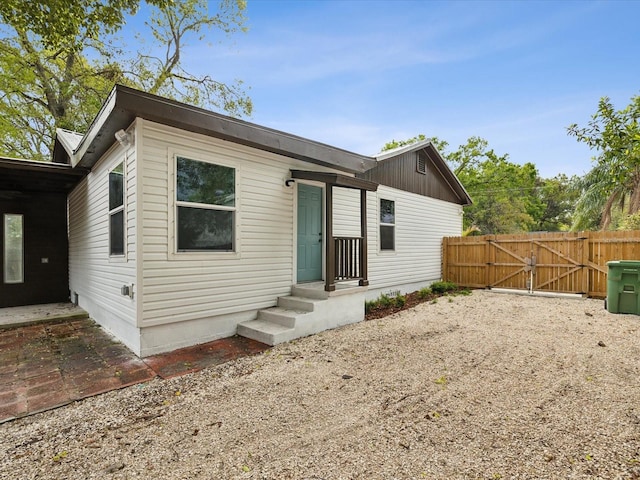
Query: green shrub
(443, 287)
(370, 305)
(385, 300)
(400, 301)
(424, 293)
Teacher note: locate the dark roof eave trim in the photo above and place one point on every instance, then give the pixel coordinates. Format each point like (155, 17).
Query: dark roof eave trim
(335, 179)
(125, 104)
(31, 165)
(450, 177)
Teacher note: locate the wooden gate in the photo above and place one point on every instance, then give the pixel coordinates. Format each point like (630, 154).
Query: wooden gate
(554, 262)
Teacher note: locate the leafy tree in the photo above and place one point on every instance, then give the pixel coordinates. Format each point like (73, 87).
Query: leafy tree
(508, 198)
(614, 181)
(558, 196)
(401, 143)
(504, 193)
(59, 59)
(469, 155)
(630, 222)
(440, 145)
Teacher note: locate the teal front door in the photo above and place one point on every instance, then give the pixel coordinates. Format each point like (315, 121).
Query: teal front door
(309, 233)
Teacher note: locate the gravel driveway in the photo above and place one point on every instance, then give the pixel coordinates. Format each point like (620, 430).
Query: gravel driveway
(485, 386)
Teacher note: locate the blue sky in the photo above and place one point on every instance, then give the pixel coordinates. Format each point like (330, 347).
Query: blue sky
(356, 74)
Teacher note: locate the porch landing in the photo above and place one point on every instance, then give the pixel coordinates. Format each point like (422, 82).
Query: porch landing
(308, 310)
(28, 314)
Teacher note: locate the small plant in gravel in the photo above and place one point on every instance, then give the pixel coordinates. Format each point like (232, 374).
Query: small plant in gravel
(442, 381)
(58, 457)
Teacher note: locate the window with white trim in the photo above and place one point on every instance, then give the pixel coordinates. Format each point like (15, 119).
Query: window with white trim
(205, 206)
(13, 254)
(387, 224)
(116, 211)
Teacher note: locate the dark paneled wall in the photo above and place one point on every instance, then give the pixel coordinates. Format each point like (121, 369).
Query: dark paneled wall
(45, 237)
(401, 172)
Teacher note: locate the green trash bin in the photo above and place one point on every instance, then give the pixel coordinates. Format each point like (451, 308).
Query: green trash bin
(623, 286)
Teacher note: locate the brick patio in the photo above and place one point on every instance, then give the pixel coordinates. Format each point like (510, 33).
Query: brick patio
(50, 364)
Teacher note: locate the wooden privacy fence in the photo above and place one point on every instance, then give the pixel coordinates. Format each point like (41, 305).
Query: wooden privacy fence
(550, 262)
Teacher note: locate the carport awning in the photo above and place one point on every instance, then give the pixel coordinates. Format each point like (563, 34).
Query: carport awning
(29, 176)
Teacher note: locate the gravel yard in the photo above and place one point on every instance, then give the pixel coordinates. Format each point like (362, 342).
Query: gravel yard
(483, 386)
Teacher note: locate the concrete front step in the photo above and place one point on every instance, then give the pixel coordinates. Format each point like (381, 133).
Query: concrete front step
(292, 302)
(311, 291)
(308, 311)
(278, 324)
(266, 332)
(281, 316)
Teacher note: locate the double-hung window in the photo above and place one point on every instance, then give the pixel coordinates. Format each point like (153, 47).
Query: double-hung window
(205, 206)
(13, 248)
(387, 224)
(116, 211)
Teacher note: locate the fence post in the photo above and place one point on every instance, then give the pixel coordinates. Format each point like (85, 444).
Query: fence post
(584, 260)
(489, 261)
(445, 252)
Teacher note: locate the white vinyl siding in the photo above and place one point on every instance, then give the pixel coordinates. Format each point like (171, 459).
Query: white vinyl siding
(346, 212)
(179, 287)
(420, 224)
(96, 277)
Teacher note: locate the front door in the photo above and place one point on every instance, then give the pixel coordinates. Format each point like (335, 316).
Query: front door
(34, 258)
(309, 233)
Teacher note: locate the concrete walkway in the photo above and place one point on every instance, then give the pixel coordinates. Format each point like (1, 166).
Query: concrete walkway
(39, 313)
(47, 364)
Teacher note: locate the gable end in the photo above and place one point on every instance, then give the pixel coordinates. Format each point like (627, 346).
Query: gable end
(416, 171)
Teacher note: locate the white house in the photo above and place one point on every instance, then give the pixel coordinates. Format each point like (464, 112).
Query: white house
(190, 225)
